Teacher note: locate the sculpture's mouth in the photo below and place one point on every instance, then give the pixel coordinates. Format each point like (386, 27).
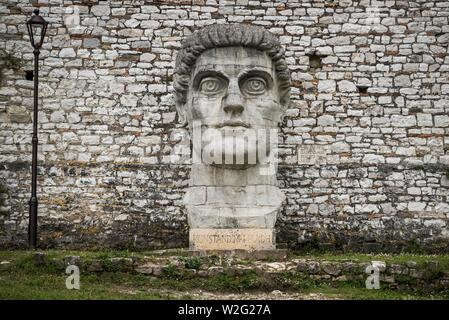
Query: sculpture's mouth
(233, 124)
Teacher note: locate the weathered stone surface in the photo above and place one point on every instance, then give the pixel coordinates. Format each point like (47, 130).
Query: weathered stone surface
(373, 159)
(277, 254)
(340, 147)
(326, 86)
(101, 10)
(231, 239)
(67, 53)
(427, 275)
(334, 269)
(91, 43)
(94, 266)
(149, 268)
(242, 211)
(346, 86)
(72, 260)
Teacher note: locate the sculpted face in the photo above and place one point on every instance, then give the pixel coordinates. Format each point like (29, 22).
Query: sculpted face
(232, 85)
(233, 96)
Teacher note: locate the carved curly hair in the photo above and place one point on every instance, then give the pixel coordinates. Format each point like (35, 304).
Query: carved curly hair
(228, 35)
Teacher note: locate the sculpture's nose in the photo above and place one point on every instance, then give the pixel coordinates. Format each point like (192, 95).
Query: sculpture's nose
(233, 100)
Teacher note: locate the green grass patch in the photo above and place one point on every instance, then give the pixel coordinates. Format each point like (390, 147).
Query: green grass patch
(420, 259)
(353, 291)
(22, 279)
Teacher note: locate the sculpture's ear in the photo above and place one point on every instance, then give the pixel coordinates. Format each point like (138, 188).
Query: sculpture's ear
(284, 102)
(281, 118)
(181, 108)
(181, 86)
(283, 106)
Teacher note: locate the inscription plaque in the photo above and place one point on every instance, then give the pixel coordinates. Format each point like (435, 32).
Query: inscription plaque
(232, 239)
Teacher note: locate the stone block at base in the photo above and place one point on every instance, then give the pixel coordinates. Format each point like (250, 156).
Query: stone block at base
(272, 254)
(232, 239)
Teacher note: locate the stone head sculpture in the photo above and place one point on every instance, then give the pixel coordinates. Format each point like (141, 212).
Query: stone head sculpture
(232, 87)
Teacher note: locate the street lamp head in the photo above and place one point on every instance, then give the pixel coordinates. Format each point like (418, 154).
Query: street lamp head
(37, 27)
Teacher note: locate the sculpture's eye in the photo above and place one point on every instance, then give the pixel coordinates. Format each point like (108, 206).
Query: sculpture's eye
(210, 85)
(254, 86)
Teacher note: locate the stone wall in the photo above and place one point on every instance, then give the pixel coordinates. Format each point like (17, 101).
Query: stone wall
(286, 273)
(364, 145)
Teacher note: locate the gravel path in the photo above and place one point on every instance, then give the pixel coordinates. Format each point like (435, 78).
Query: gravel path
(206, 295)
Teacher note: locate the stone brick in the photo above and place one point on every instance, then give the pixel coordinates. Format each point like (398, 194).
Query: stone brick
(373, 159)
(346, 86)
(326, 86)
(91, 43)
(403, 121)
(326, 120)
(100, 10)
(424, 120)
(67, 53)
(441, 121)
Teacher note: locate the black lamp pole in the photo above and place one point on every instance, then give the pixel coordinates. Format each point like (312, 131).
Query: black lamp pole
(37, 27)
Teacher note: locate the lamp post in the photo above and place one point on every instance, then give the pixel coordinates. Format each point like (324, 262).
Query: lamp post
(37, 27)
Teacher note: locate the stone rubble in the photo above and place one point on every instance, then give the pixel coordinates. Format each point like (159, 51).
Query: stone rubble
(408, 275)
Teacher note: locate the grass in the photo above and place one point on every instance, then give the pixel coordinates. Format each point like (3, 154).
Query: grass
(353, 292)
(21, 279)
(442, 259)
(50, 286)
